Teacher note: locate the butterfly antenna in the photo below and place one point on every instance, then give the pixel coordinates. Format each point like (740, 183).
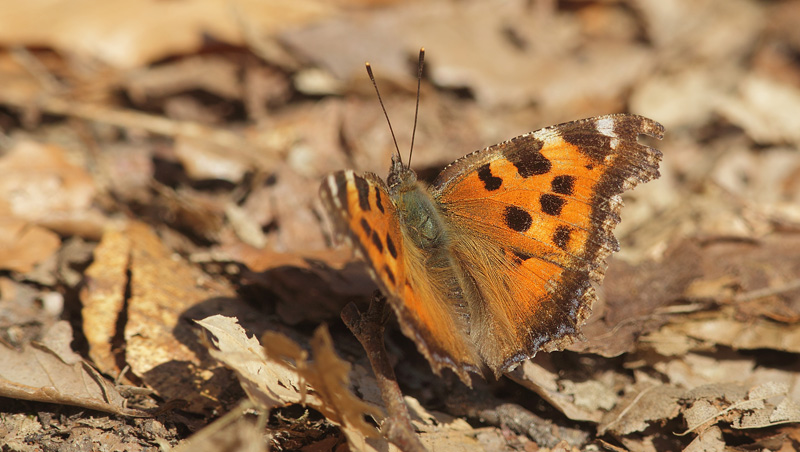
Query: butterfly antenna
(372, 77)
(416, 110)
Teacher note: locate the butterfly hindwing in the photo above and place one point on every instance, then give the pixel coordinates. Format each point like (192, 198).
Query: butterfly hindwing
(532, 220)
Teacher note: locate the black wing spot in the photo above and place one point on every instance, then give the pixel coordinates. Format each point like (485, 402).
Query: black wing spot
(490, 182)
(561, 237)
(366, 227)
(389, 274)
(362, 187)
(377, 242)
(518, 219)
(551, 204)
(378, 202)
(564, 185)
(390, 246)
(531, 163)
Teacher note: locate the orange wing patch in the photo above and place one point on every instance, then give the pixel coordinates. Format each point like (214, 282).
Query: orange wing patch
(538, 212)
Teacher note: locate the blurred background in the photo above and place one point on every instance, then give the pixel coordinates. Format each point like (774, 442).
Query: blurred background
(213, 122)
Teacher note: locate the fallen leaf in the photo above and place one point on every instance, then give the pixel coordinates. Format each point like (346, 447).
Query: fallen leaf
(24, 244)
(473, 49)
(103, 297)
(268, 383)
(709, 440)
(159, 341)
(40, 181)
(764, 108)
(541, 376)
(55, 374)
(328, 377)
(134, 33)
(645, 403)
(739, 407)
(279, 373)
(233, 432)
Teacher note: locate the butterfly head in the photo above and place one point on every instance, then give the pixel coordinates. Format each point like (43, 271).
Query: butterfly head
(401, 178)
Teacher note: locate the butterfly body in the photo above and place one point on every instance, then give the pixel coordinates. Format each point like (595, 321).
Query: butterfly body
(496, 259)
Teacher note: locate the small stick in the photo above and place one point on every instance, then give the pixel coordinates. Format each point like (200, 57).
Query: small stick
(368, 329)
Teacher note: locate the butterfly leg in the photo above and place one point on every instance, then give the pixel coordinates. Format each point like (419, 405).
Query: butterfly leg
(368, 328)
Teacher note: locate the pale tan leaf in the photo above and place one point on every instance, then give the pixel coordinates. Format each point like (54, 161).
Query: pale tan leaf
(267, 383)
(44, 374)
(103, 297)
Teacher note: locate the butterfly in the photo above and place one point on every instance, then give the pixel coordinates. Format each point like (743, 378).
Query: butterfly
(496, 259)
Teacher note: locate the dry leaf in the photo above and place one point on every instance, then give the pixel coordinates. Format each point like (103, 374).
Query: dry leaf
(471, 48)
(24, 244)
(709, 440)
(740, 408)
(56, 374)
(725, 328)
(159, 341)
(764, 109)
(328, 377)
(132, 33)
(103, 297)
(283, 375)
(232, 432)
(645, 404)
(268, 383)
(40, 181)
(540, 375)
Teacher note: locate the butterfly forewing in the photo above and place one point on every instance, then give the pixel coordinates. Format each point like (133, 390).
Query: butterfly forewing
(363, 213)
(533, 218)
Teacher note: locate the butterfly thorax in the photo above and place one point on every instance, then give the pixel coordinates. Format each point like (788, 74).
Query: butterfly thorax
(420, 218)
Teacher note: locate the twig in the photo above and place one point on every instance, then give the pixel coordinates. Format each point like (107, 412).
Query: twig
(368, 329)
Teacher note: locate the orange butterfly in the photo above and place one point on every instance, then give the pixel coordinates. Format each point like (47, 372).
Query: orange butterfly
(496, 259)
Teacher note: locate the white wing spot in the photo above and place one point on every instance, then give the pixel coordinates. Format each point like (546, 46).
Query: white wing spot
(334, 192)
(606, 127)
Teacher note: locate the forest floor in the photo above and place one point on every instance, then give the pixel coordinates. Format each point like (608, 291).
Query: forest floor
(160, 165)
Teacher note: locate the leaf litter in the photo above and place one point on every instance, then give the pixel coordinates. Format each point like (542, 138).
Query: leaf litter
(156, 181)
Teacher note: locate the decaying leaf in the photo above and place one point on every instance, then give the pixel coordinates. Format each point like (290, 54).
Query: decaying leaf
(702, 407)
(646, 403)
(231, 432)
(134, 33)
(541, 376)
(103, 297)
(24, 244)
(51, 372)
(758, 407)
(158, 339)
(726, 329)
(328, 375)
(268, 383)
(40, 181)
(279, 373)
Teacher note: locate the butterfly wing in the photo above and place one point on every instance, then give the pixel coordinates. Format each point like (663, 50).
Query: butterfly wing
(532, 222)
(363, 211)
